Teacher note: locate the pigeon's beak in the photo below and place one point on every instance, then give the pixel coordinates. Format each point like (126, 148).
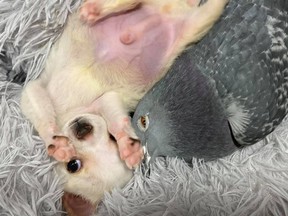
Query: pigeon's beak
(147, 156)
(147, 161)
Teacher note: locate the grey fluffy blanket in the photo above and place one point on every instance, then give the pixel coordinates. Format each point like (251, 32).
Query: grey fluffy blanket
(253, 181)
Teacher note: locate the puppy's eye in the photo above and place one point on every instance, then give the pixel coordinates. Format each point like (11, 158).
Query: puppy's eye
(74, 166)
(143, 122)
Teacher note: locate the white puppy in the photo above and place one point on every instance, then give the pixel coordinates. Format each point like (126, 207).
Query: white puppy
(97, 72)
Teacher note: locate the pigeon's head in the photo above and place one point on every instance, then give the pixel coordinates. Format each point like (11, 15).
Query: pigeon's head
(152, 126)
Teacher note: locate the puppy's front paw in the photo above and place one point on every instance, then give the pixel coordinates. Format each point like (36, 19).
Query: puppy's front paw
(129, 146)
(61, 149)
(130, 151)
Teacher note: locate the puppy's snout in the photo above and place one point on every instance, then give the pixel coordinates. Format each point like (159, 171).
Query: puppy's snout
(81, 129)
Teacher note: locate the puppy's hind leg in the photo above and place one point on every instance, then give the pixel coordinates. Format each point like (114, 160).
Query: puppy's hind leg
(93, 10)
(38, 108)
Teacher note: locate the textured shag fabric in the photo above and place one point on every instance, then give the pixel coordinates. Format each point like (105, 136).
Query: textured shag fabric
(253, 181)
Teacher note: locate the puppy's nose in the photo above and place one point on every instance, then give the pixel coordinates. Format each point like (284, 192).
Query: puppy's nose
(82, 128)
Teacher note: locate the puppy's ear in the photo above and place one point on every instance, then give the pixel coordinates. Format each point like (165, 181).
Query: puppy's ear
(75, 205)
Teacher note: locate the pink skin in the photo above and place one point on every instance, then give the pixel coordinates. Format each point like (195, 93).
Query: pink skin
(131, 34)
(134, 36)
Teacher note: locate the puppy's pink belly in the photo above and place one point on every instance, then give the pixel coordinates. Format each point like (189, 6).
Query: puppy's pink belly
(140, 38)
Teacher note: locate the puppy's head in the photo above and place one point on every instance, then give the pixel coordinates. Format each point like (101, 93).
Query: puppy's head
(97, 166)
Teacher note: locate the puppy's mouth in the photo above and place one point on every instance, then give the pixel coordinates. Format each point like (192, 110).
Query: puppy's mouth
(81, 128)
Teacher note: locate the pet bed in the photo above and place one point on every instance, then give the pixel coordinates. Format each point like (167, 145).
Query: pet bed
(252, 181)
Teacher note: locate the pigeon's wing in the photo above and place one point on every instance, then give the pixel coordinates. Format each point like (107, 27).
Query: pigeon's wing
(246, 54)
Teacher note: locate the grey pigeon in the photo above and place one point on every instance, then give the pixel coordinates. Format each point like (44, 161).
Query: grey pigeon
(235, 79)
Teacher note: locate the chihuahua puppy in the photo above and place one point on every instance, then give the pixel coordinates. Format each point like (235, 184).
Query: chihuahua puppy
(110, 54)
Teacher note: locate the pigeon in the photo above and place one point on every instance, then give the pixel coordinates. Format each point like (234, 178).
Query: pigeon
(239, 69)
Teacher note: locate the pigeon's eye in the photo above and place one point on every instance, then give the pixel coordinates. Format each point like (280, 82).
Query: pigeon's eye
(143, 123)
(74, 166)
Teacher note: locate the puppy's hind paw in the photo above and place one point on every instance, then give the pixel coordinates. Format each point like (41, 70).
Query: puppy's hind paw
(93, 10)
(90, 11)
(61, 149)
